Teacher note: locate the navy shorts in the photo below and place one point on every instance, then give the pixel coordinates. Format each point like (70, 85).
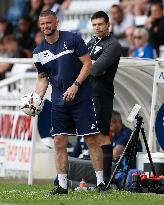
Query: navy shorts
(78, 119)
(104, 108)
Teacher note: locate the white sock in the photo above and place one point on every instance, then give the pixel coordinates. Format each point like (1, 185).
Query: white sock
(62, 180)
(99, 176)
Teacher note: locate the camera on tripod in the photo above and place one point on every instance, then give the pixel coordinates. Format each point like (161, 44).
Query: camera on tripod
(139, 182)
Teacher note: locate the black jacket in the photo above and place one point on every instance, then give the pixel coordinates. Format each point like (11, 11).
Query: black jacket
(106, 53)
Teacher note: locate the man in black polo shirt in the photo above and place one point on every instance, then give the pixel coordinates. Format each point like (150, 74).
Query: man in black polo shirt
(105, 52)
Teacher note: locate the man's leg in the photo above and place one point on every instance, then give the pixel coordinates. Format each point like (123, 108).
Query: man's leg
(104, 107)
(61, 122)
(95, 152)
(86, 124)
(107, 150)
(61, 159)
(61, 156)
(96, 156)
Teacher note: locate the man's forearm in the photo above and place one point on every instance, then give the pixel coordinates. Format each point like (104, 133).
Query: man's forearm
(41, 85)
(97, 70)
(84, 73)
(70, 93)
(85, 70)
(110, 54)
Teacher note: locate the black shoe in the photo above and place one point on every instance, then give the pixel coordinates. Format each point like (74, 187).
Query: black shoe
(58, 190)
(101, 187)
(106, 182)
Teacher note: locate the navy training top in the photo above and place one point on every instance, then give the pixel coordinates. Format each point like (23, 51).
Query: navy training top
(60, 61)
(122, 137)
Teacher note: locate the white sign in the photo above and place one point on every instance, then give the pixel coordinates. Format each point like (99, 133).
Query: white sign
(18, 155)
(159, 75)
(16, 134)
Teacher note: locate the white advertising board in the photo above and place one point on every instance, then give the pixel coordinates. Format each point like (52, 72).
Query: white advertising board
(18, 155)
(15, 142)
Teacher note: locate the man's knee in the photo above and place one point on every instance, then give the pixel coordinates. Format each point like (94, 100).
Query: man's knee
(60, 142)
(103, 139)
(91, 140)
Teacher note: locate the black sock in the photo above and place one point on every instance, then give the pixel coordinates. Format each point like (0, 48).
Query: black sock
(107, 161)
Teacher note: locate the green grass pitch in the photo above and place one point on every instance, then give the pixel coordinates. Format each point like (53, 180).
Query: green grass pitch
(11, 194)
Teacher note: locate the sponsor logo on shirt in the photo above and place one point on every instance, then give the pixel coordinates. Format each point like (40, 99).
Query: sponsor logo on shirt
(46, 56)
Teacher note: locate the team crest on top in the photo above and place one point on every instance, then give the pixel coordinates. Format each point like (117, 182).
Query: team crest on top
(65, 46)
(93, 126)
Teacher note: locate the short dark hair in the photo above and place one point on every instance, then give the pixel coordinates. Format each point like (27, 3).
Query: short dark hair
(157, 3)
(117, 6)
(9, 38)
(116, 116)
(47, 13)
(100, 14)
(26, 18)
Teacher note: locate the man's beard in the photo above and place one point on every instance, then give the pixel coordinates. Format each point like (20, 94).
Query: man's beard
(52, 32)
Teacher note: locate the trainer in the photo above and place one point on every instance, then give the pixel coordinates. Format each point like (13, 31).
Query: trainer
(105, 52)
(62, 59)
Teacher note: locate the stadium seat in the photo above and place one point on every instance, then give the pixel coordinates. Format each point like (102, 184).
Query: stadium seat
(90, 6)
(88, 28)
(70, 25)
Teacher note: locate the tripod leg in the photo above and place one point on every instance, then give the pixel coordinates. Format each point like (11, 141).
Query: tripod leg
(148, 152)
(122, 156)
(131, 156)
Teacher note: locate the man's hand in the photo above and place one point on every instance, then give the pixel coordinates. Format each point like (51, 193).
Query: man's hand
(31, 104)
(117, 151)
(70, 93)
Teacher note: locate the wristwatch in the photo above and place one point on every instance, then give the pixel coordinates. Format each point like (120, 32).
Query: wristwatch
(77, 83)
